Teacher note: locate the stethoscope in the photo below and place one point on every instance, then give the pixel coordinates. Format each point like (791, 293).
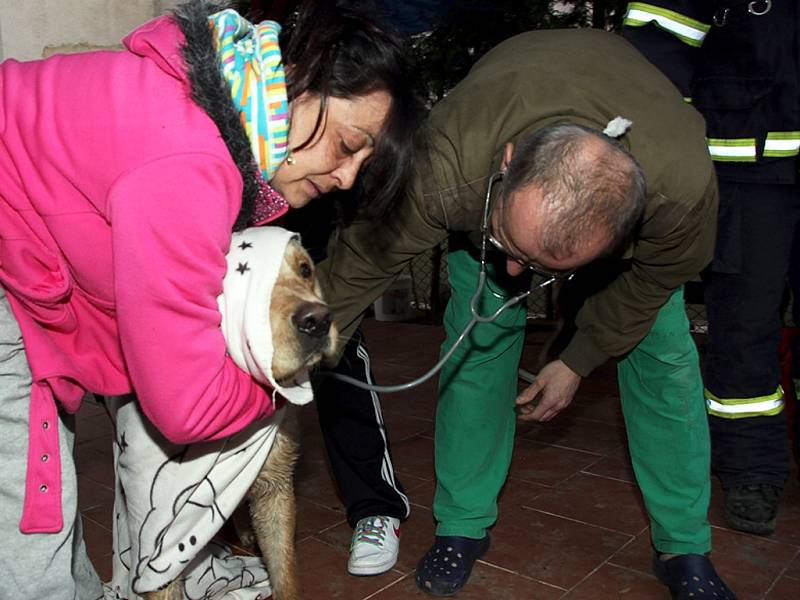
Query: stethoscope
(476, 316)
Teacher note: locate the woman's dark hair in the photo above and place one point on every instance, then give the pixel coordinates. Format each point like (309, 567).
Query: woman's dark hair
(337, 49)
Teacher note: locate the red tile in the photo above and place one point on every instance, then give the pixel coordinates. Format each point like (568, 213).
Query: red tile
(418, 402)
(313, 480)
(92, 494)
(572, 464)
(414, 456)
(96, 501)
(517, 492)
(308, 420)
(98, 546)
(485, 583)
(597, 501)
(402, 427)
(636, 555)
(547, 465)
(312, 518)
(569, 431)
(420, 492)
(615, 583)
(95, 460)
(615, 465)
(794, 568)
(550, 549)
(748, 564)
(93, 426)
(788, 525)
(419, 344)
(588, 404)
(326, 576)
(786, 588)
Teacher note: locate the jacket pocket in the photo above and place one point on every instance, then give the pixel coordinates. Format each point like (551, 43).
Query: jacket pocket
(39, 280)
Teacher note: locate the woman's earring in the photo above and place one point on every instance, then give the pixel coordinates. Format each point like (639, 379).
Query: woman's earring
(290, 159)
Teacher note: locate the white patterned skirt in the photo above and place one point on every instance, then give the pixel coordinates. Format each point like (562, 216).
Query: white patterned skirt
(171, 500)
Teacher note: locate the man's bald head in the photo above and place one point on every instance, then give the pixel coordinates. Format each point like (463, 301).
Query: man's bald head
(589, 189)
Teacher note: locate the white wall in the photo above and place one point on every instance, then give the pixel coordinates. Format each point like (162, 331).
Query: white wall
(32, 29)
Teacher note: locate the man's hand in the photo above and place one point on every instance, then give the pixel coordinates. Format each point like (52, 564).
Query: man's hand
(555, 386)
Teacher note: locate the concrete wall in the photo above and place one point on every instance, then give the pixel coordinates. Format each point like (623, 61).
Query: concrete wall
(32, 29)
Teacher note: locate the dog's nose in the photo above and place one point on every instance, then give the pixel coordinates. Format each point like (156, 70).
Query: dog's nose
(312, 319)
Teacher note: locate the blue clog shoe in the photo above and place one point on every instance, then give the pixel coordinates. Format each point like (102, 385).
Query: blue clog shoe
(691, 577)
(447, 565)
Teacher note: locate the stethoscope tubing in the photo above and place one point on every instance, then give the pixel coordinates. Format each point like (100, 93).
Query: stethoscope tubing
(476, 316)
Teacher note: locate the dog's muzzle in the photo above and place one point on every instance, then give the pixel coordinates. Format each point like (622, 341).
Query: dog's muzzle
(312, 320)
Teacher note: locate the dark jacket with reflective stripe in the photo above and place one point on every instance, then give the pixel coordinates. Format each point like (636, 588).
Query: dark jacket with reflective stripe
(534, 79)
(743, 75)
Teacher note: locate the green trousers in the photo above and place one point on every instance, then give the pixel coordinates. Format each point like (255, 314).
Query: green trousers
(662, 400)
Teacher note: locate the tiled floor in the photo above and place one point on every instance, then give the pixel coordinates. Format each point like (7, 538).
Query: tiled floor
(571, 523)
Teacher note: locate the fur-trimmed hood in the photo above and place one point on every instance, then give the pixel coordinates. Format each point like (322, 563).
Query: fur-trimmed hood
(199, 65)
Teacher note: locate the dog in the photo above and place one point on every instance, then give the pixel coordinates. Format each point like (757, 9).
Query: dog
(303, 335)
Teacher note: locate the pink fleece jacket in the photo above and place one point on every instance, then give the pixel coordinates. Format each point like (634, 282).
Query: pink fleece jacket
(117, 201)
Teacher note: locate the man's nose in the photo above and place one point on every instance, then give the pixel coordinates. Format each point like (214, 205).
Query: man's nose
(513, 268)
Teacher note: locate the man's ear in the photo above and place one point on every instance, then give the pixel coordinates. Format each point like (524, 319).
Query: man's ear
(507, 152)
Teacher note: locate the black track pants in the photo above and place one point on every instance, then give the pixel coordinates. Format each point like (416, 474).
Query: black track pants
(356, 440)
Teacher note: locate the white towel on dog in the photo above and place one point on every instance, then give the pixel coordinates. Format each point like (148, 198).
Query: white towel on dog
(252, 260)
(171, 500)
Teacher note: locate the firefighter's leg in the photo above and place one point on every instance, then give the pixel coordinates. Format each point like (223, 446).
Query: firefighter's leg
(794, 286)
(745, 401)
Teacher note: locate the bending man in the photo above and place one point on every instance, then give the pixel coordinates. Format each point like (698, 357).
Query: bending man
(535, 109)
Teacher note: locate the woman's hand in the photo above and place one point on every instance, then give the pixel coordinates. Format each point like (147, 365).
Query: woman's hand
(555, 386)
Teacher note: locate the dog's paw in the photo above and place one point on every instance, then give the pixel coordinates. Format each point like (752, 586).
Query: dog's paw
(247, 538)
(243, 526)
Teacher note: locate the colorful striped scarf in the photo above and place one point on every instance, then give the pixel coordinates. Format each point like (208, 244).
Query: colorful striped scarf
(250, 60)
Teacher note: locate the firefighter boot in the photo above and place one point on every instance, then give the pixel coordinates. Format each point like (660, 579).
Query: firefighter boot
(752, 508)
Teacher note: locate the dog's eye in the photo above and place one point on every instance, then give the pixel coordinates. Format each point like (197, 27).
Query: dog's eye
(305, 271)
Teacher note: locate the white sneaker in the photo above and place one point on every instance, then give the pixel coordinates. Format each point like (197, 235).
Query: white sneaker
(376, 542)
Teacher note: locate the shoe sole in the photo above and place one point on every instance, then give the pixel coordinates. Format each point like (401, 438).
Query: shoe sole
(372, 569)
(756, 527)
(439, 594)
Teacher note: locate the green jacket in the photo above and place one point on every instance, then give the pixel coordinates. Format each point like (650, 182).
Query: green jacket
(529, 81)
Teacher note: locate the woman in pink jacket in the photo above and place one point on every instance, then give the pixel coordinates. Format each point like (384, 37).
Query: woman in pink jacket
(122, 177)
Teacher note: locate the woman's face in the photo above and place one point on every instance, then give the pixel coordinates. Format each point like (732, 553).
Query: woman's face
(344, 140)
